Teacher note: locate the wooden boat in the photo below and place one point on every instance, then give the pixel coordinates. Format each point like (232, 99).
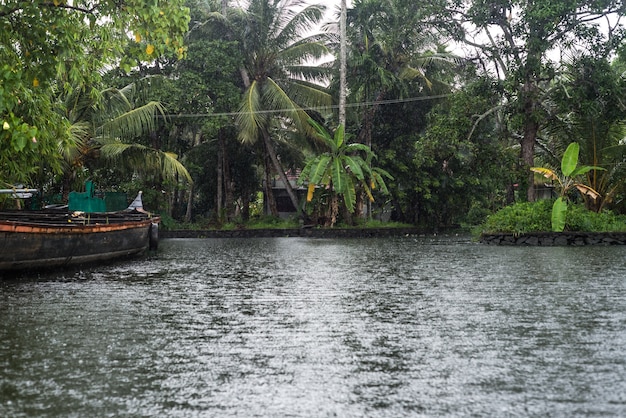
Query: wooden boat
(32, 240)
(56, 238)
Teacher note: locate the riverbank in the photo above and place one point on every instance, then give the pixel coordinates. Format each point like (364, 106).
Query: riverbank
(293, 232)
(546, 239)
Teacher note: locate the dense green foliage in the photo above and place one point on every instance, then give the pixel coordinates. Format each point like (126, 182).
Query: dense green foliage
(520, 218)
(224, 89)
(520, 36)
(528, 217)
(49, 48)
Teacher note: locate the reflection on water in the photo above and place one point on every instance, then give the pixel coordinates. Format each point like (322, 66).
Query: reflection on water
(320, 327)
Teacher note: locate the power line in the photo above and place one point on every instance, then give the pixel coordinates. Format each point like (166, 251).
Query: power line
(315, 108)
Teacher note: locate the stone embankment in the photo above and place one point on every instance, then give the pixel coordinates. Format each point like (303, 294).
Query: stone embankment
(556, 238)
(292, 232)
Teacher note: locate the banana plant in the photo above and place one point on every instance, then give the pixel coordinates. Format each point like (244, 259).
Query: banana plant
(340, 168)
(566, 181)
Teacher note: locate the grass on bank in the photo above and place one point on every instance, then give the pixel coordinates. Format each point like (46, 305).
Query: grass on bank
(528, 217)
(265, 222)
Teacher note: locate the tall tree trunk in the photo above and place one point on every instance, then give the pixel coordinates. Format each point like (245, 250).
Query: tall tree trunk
(66, 184)
(279, 168)
(180, 198)
(531, 128)
(188, 212)
(527, 154)
(270, 200)
(342, 65)
(365, 134)
(226, 178)
(229, 200)
(170, 200)
(347, 216)
(219, 200)
(334, 208)
(365, 137)
(359, 204)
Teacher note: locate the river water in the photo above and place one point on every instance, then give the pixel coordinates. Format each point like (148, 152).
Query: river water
(296, 327)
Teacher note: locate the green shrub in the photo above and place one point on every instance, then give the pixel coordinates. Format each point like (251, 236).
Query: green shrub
(520, 218)
(583, 220)
(529, 217)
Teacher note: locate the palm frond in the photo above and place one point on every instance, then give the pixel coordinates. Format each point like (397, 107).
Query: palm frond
(249, 116)
(440, 60)
(173, 168)
(214, 23)
(139, 91)
(152, 160)
(78, 103)
(74, 144)
(293, 25)
(277, 99)
(314, 76)
(113, 149)
(309, 95)
(113, 102)
(302, 52)
(321, 38)
(411, 73)
(132, 123)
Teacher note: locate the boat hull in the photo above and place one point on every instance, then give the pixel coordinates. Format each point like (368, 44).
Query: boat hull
(36, 245)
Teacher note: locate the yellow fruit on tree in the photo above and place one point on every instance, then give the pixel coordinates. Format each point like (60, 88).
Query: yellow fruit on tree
(309, 194)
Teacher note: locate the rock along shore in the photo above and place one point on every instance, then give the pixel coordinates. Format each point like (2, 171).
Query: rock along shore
(292, 232)
(556, 238)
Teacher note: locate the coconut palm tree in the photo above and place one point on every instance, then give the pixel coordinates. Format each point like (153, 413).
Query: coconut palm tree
(279, 77)
(102, 126)
(390, 58)
(391, 48)
(213, 31)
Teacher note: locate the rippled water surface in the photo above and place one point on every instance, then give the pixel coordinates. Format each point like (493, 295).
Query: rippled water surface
(290, 327)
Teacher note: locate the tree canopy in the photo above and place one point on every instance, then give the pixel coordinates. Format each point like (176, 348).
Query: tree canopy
(514, 38)
(51, 47)
(456, 132)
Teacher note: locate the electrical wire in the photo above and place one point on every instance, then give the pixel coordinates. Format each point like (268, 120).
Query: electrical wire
(315, 108)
